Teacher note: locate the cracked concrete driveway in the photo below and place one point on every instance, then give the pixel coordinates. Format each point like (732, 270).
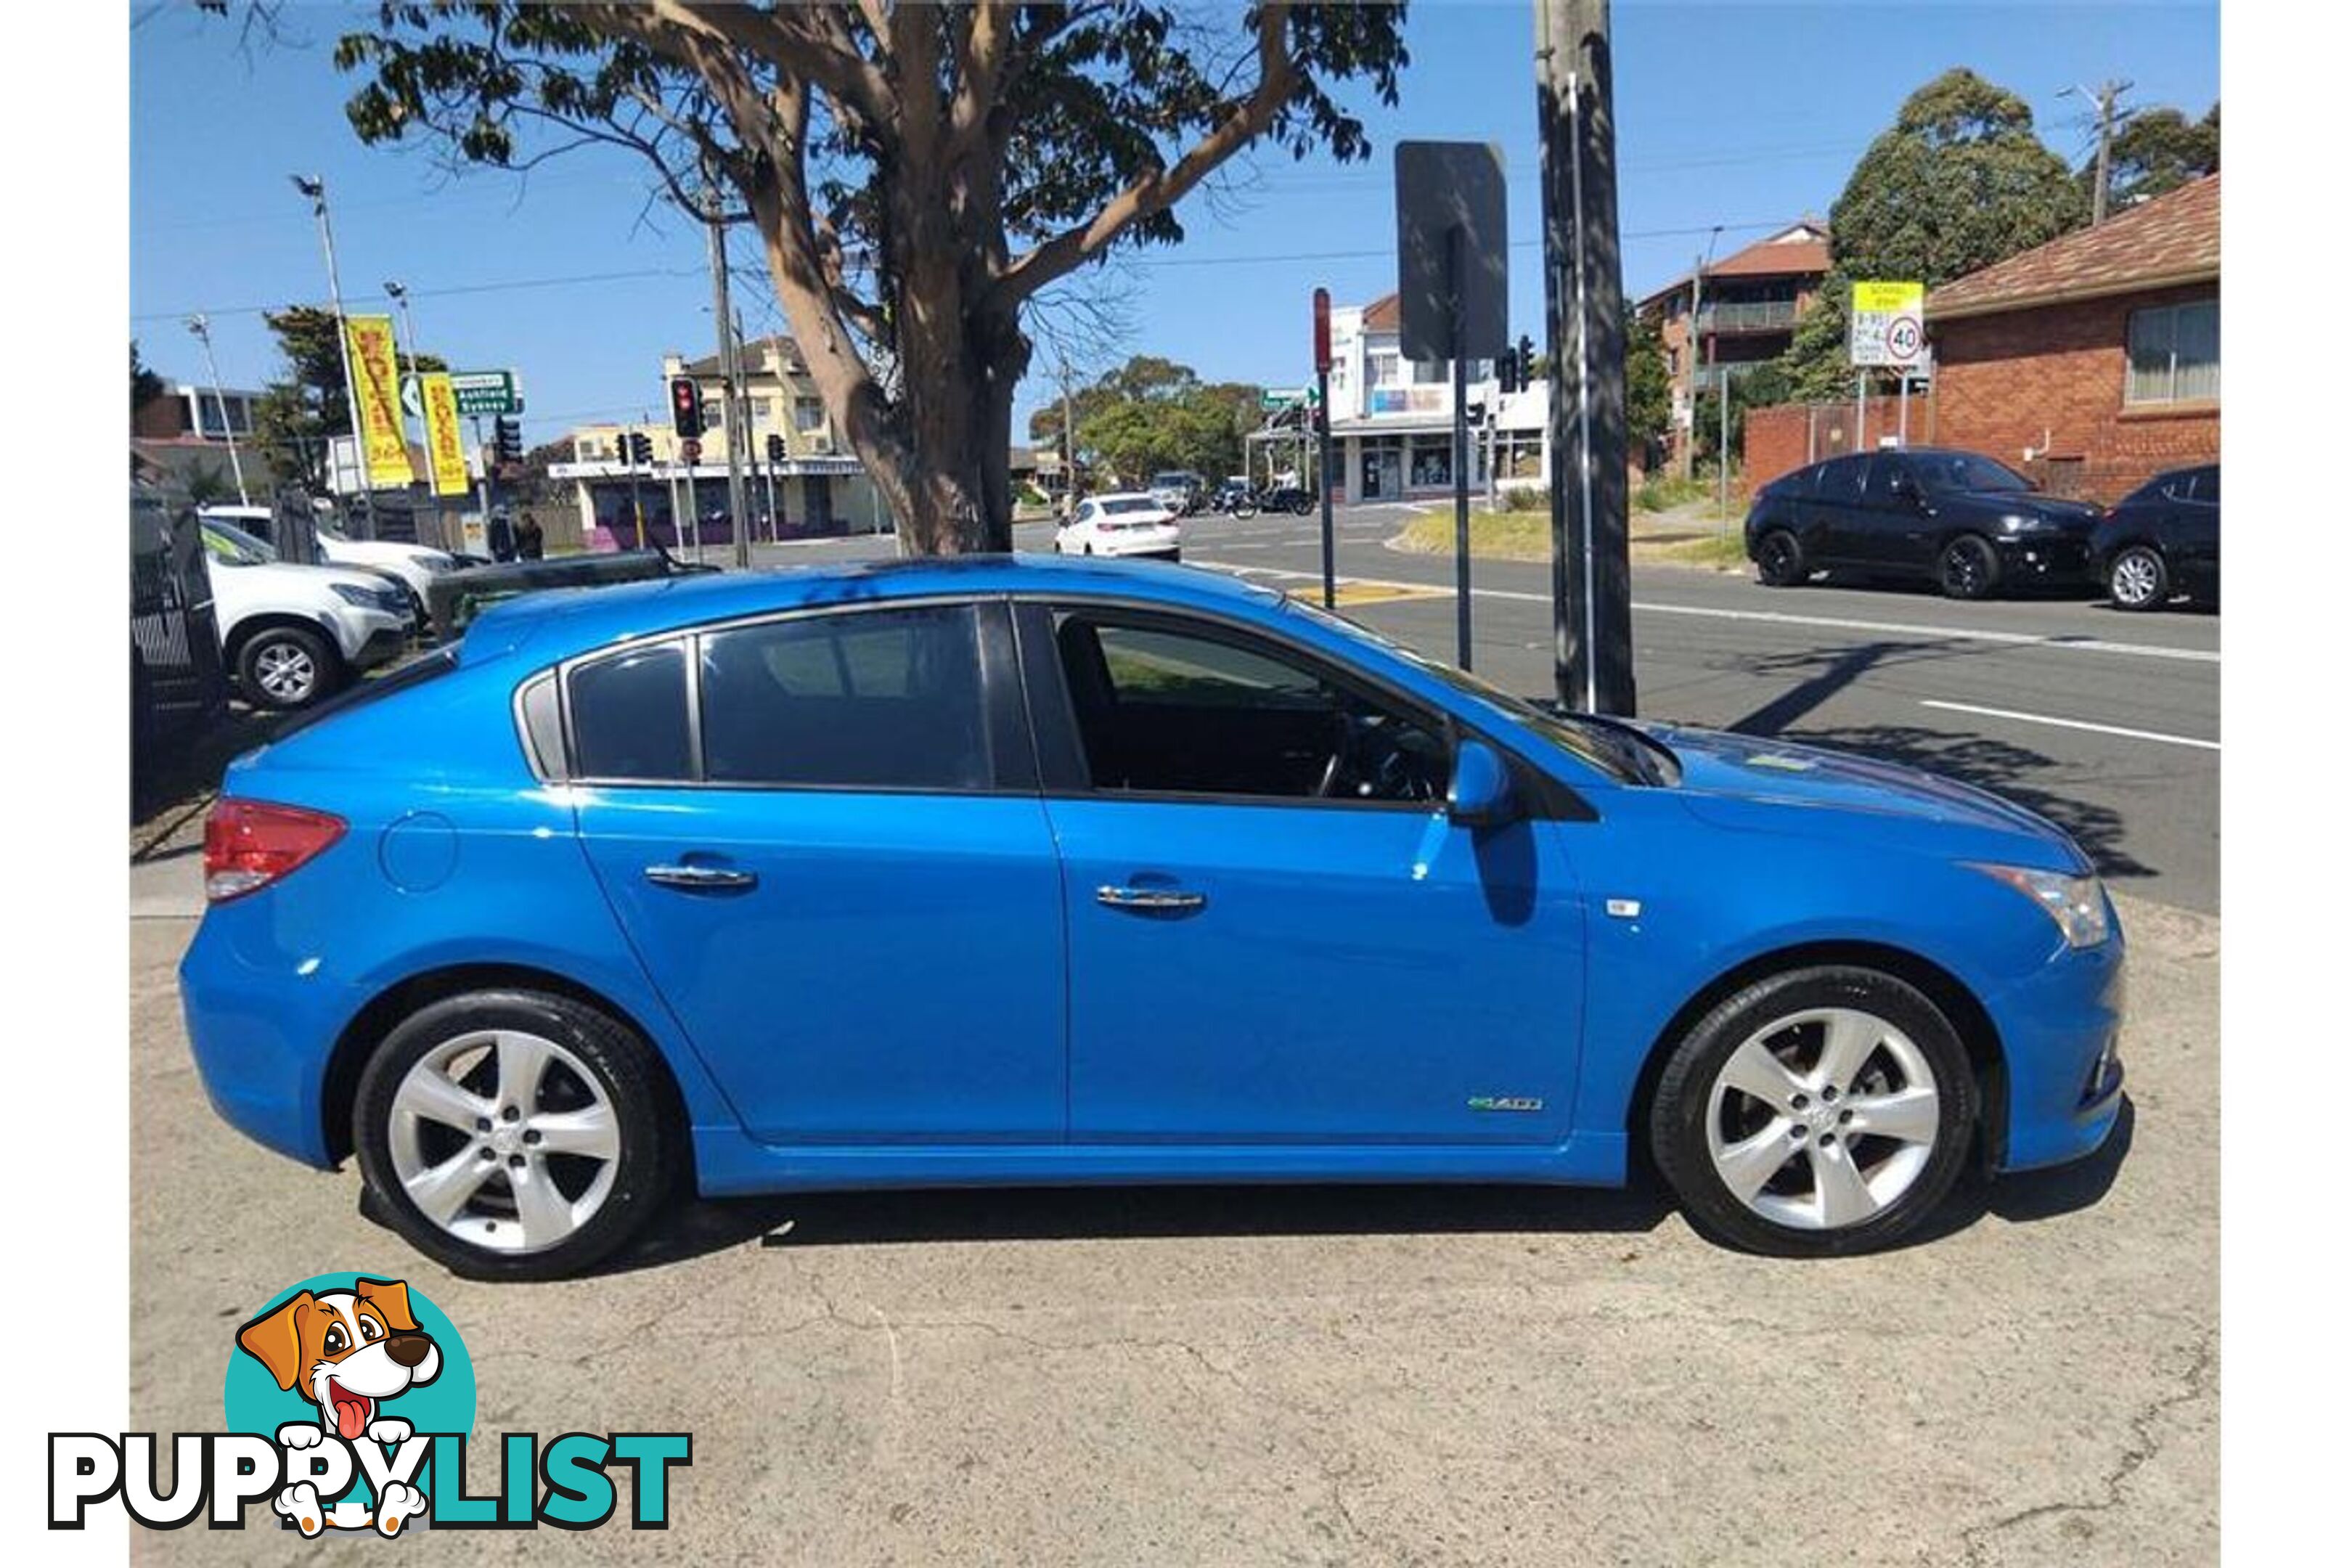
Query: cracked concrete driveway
(1426, 1375)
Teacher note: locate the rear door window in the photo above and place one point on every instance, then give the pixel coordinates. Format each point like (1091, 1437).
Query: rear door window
(1840, 483)
(862, 700)
(629, 716)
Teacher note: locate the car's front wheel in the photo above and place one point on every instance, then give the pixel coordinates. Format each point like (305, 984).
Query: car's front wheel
(1968, 568)
(515, 1134)
(286, 667)
(2137, 579)
(1779, 559)
(1822, 1111)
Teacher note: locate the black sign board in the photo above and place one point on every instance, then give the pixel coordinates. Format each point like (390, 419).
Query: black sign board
(1443, 187)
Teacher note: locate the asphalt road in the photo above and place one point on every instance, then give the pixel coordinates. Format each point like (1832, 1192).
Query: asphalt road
(2107, 723)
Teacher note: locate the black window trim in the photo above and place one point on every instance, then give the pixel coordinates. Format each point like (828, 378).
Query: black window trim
(1012, 758)
(1061, 757)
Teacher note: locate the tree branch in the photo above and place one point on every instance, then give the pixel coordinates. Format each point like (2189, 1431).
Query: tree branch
(1277, 82)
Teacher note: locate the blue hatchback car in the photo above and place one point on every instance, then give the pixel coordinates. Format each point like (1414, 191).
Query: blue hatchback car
(1020, 871)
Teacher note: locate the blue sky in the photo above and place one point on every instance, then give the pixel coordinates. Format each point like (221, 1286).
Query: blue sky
(1743, 115)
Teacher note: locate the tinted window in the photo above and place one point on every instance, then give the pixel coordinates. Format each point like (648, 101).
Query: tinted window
(1167, 710)
(1841, 478)
(873, 699)
(1878, 489)
(2201, 485)
(1141, 503)
(1947, 471)
(628, 716)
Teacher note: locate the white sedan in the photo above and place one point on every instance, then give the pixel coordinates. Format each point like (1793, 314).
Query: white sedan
(1129, 525)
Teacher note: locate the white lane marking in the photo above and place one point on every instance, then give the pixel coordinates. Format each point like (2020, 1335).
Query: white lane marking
(1776, 617)
(2073, 724)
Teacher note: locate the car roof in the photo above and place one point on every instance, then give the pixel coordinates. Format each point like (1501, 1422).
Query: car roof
(561, 623)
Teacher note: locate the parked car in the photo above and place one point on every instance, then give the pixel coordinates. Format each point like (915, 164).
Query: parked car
(461, 595)
(1119, 524)
(1015, 870)
(2164, 539)
(1958, 520)
(414, 567)
(1180, 490)
(292, 634)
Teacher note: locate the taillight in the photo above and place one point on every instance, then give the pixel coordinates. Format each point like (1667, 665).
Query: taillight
(249, 843)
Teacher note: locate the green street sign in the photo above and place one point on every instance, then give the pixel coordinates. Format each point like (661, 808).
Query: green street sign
(485, 392)
(1275, 399)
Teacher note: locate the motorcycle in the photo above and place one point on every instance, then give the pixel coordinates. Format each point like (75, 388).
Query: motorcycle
(1235, 501)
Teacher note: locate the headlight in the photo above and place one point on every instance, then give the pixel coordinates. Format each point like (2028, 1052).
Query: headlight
(434, 566)
(360, 598)
(2078, 904)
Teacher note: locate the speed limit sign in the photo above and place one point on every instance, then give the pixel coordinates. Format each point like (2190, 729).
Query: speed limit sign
(1903, 340)
(1885, 324)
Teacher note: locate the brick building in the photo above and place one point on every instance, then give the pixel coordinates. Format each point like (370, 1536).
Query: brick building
(1747, 306)
(2095, 361)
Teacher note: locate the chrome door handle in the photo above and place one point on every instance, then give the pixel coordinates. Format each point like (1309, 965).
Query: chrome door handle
(699, 878)
(1150, 899)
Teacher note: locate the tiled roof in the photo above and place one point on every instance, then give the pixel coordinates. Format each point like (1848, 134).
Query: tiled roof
(1382, 314)
(754, 361)
(2172, 239)
(1801, 250)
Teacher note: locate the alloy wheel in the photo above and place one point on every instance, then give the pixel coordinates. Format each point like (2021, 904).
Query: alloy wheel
(504, 1138)
(2134, 580)
(1964, 573)
(1823, 1118)
(286, 671)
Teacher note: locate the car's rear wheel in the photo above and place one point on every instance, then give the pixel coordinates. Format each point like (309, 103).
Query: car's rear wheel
(515, 1134)
(1968, 568)
(286, 667)
(1823, 1111)
(2137, 579)
(1779, 559)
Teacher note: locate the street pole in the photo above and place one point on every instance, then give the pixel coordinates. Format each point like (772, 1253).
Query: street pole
(1861, 411)
(1583, 320)
(1456, 265)
(2102, 99)
(629, 459)
(483, 452)
(731, 371)
(1690, 373)
(315, 187)
(203, 329)
(1069, 446)
(1321, 413)
(1722, 435)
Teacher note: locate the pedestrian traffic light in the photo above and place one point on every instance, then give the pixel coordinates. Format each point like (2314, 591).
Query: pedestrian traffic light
(641, 448)
(684, 408)
(506, 440)
(775, 448)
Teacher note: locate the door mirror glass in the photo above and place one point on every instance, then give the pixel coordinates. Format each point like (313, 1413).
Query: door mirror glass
(1480, 794)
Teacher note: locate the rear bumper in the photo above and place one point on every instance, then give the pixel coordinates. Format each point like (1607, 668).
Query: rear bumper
(261, 1040)
(2060, 1034)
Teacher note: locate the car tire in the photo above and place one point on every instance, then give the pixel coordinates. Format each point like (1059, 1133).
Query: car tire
(598, 1082)
(2137, 579)
(1779, 559)
(1755, 1078)
(283, 669)
(1967, 568)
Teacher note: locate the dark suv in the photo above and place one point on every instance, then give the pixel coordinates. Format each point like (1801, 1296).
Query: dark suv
(1958, 520)
(2162, 540)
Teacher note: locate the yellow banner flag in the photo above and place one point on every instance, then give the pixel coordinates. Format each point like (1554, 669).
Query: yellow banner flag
(375, 382)
(445, 447)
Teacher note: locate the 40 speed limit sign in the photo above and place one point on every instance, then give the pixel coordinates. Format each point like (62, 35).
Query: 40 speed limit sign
(1889, 325)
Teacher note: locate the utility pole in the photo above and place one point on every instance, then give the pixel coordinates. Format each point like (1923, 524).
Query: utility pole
(315, 187)
(1069, 446)
(1592, 650)
(730, 371)
(204, 330)
(2102, 99)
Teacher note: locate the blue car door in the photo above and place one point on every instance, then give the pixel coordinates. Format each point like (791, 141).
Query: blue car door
(823, 836)
(1276, 935)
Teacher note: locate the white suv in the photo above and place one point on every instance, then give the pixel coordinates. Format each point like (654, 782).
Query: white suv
(415, 565)
(293, 634)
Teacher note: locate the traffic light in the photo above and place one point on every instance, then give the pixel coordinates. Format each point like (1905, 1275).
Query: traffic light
(1527, 358)
(506, 440)
(684, 408)
(641, 448)
(1506, 371)
(775, 448)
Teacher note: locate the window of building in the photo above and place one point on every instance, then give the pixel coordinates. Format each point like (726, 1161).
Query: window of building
(2176, 353)
(628, 716)
(808, 414)
(870, 700)
(1430, 462)
(1380, 367)
(1166, 711)
(1432, 372)
(1518, 455)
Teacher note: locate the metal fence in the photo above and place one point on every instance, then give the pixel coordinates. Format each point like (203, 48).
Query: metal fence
(178, 686)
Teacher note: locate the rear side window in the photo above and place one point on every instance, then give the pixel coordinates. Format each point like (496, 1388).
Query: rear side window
(870, 700)
(2201, 485)
(1841, 479)
(629, 718)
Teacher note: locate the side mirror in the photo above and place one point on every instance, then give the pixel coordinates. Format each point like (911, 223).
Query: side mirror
(1480, 794)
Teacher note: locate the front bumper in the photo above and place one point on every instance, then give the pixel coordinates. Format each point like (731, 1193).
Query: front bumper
(370, 637)
(2060, 1031)
(2045, 558)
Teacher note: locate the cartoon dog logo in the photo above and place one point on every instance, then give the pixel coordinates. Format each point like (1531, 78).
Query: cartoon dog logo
(348, 1352)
